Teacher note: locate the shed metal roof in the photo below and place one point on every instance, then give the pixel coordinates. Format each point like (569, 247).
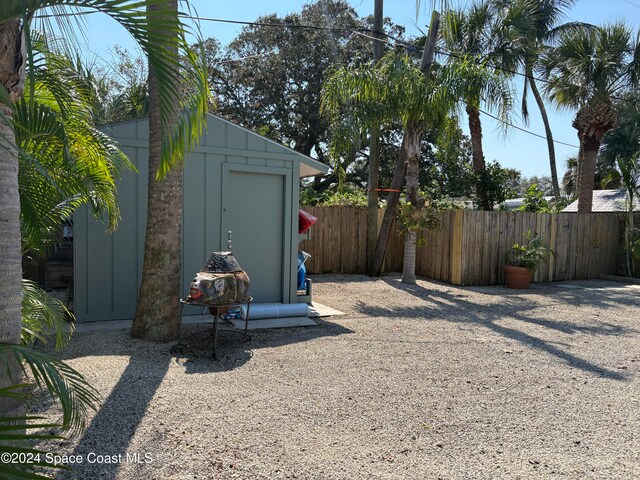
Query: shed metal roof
(309, 167)
(607, 201)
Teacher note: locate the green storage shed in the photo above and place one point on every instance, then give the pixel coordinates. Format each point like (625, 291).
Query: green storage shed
(234, 181)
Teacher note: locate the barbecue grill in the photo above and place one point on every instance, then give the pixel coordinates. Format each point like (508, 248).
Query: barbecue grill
(221, 284)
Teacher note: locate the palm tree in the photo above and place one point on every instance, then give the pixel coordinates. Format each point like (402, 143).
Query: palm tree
(64, 161)
(157, 316)
(529, 27)
(156, 36)
(469, 37)
(586, 70)
(621, 146)
(623, 141)
(607, 175)
(394, 90)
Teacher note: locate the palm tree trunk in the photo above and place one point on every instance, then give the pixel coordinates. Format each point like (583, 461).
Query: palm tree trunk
(157, 316)
(576, 183)
(586, 173)
(10, 248)
(409, 259)
(475, 129)
(414, 137)
(401, 165)
(548, 133)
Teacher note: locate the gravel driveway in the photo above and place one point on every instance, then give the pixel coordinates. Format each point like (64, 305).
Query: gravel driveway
(422, 382)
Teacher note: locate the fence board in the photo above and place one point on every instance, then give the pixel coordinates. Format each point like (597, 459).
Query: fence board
(468, 239)
(580, 251)
(596, 234)
(456, 248)
(362, 240)
(446, 247)
(502, 232)
(484, 276)
(493, 249)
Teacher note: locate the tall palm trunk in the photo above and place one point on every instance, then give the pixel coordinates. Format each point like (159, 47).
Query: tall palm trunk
(11, 76)
(475, 129)
(576, 178)
(414, 137)
(592, 122)
(586, 172)
(157, 316)
(548, 133)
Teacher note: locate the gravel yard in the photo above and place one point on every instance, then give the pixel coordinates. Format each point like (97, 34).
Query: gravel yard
(422, 382)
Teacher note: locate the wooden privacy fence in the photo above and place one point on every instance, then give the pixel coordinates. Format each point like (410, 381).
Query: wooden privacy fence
(471, 246)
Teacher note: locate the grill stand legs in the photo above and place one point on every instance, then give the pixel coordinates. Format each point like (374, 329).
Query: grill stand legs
(183, 343)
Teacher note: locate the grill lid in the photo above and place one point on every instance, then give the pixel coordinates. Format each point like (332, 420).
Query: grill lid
(221, 262)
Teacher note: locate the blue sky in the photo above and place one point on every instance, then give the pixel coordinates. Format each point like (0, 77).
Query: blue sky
(518, 150)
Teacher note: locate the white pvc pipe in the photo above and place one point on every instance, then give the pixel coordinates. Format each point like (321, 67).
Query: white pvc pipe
(275, 310)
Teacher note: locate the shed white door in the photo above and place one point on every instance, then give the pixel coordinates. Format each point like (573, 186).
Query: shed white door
(254, 209)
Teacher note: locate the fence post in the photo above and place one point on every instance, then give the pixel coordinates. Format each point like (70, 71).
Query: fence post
(455, 270)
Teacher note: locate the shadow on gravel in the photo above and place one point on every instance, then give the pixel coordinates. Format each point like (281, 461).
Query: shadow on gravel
(454, 308)
(234, 351)
(580, 292)
(118, 418)
(598, 296)
(110, 432)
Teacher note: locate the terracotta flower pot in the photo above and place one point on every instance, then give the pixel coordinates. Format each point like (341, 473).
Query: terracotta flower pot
(518, 277)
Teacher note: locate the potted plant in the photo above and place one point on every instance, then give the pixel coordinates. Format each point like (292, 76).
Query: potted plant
(522, 261)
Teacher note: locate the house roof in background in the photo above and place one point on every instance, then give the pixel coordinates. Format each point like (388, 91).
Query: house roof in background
(607, 201)
(515, 203)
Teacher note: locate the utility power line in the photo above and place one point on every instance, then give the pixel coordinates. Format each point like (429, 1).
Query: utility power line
(631, 3)
(525, 130)
(364, 32)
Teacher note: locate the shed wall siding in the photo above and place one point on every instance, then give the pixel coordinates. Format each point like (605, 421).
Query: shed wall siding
(108, 268)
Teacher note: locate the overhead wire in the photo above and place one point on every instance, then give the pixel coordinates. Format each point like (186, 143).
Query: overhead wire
(493, 116)
(525, 130)
(631, 3)
(364, 32)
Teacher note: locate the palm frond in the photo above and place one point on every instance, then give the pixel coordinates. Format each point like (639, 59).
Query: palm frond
(64, 161)
(392, 91)
(44, 316)
(590, 65)
(16, 442)
(62, 382)
(157, 34)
